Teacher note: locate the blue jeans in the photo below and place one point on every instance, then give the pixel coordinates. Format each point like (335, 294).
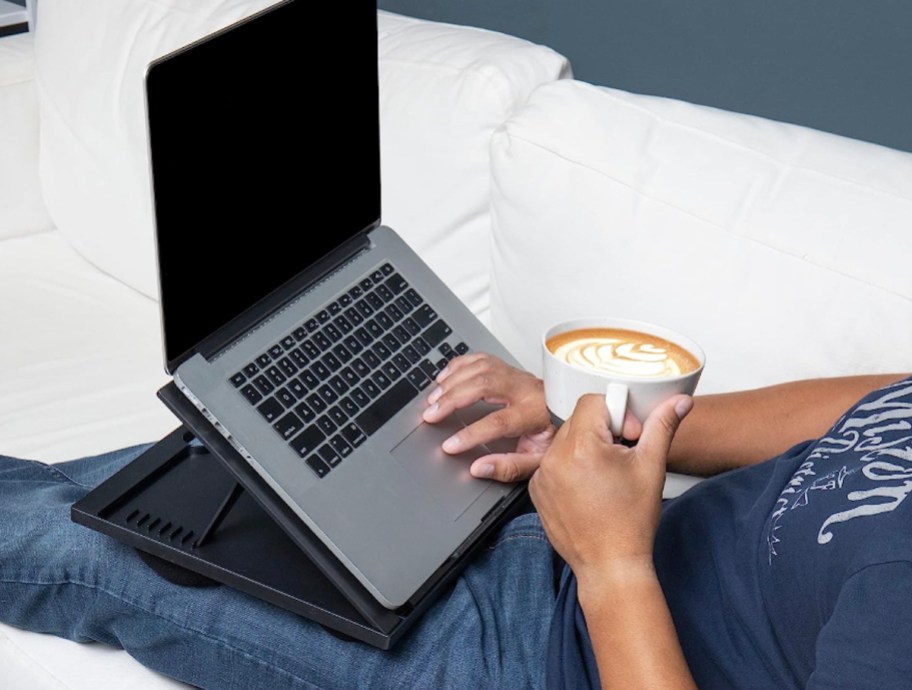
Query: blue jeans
(489, 631)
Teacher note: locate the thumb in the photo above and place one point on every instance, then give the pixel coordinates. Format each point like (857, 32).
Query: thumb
(506, 467)
(660, 427)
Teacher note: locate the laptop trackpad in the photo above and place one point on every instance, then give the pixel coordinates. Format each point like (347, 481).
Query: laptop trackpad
(445, 477)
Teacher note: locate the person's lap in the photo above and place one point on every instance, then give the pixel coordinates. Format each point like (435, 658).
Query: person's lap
(62, 578)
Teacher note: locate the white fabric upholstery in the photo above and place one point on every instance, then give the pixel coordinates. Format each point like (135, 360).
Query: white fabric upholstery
(21, 204)
(783, 251)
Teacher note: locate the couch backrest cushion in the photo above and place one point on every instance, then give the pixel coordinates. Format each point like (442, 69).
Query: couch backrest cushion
(443, 90)
(785, 252)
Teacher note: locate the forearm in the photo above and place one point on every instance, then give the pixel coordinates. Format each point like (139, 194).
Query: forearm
(632, 633)
(737, 429)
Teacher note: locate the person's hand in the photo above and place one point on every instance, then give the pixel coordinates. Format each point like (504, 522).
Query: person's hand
(600, 501)
(482, 377)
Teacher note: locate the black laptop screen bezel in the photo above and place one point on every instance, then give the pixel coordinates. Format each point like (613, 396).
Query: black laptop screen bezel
(190, 270)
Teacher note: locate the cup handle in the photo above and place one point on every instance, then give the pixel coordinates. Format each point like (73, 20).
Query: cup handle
(616, 402)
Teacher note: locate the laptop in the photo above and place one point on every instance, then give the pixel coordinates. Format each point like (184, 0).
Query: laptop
(306, 332)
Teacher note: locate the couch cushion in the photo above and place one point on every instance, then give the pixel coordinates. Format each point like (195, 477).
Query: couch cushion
(80, 359)
(443, 90)
(782, 250)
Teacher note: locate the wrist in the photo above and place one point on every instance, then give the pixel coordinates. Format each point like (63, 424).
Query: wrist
(614, 577)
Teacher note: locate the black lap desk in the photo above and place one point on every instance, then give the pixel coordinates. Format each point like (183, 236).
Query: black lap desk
(204, 509)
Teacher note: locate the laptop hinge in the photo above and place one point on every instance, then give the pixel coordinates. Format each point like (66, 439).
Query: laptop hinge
(242, 324)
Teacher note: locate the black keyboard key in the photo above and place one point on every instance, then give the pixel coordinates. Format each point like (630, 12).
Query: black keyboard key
(289, 425)
(340, 445)
(366, 284)
(252, 394)
(424, 316)
(263, 384)
(328, 394)
(286, 397)
(323, 316)
(387, 269)
(372, 359)
(381, 350)
(384, 407)
(374, 328)
(421, 345)
(374, 300)
(363, 336)
(296, 387)
(343, 325)
(437, 332)
(402, 334)
(417, 378)
(392, 342)
(391, 370)
(361, 369)
(360, 397)
(316, 403)
(345, 300)
(381, 379)
(330, 457)
(353, 435)
(411, 326)
(356, 292)
(445, 349)
(353, 344)
(251, 369)
(384, 320)
(271, 409)
(338, 384)
(337, 415)
(371, 388)
(311, 325)
(322, 341)
(404, 304)
(411, 354)
(238, 379)
(331, 361)
(287, 367)
(305, 413)
(318, 466)
(350, 376)
(307, 441)
(429, 369)
(342, 353)
(335, 308)
(299, 358)
(441, 363)
(377, 276)
(364, 308)
(396, 283)
(350, 406)
(333, 333)
(385, 293)
(263, 360)
(327, 426)
(354, 316)
(288, 342)
(413, 297)
(401, 363)
(310, 348)
(461, 348)
(276, 351)
(309, 380)
(299, 333)
(275, 375)
(321, 371)
(394, 312)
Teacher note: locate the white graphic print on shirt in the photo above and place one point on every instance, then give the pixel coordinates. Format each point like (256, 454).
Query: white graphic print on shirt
(876, 441)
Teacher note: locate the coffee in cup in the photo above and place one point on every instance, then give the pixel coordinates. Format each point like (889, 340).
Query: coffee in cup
(632, 363)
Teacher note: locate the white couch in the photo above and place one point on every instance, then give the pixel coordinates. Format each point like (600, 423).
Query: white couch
(785, 252)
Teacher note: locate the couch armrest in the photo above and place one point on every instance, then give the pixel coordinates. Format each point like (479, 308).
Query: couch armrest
(22, 208)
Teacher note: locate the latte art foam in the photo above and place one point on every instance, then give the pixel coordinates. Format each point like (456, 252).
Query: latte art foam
(622, 353)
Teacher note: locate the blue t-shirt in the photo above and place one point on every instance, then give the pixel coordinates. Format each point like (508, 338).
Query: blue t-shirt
(795, 573)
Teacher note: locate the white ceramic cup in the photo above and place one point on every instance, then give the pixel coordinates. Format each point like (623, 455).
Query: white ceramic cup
(565, 383)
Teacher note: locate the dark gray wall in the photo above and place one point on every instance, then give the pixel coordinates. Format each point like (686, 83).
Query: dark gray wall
(843, 66)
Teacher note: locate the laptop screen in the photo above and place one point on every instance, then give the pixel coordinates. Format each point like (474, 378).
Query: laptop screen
(265, 157)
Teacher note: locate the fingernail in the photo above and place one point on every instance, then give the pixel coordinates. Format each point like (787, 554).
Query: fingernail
(684, 406)
(435, 394)
(451, 444)
(483, 471)
(443, 374)
(430, 411)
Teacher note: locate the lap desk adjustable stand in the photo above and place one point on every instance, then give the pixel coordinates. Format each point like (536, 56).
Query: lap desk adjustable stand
(203, 509)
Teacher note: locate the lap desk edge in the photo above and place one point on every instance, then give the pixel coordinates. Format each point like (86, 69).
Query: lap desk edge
(163, 502)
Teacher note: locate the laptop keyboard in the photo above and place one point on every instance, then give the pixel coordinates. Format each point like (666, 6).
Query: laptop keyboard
(336, 378)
